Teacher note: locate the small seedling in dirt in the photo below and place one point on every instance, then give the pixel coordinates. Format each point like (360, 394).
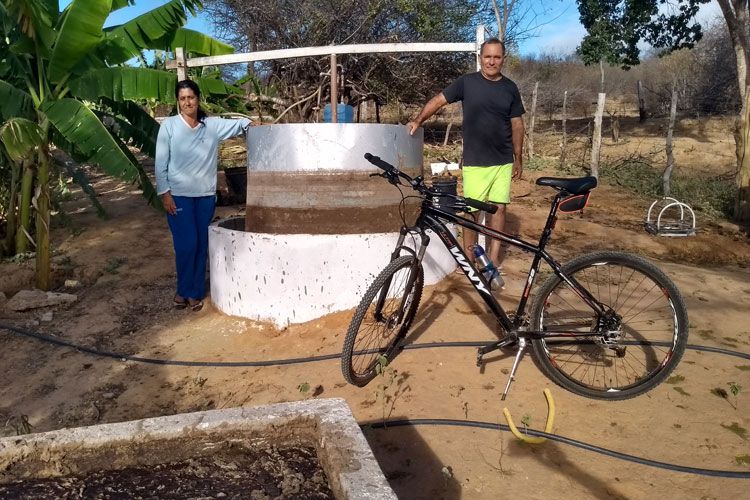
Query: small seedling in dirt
(734, 388)
(387, 376)
(304, 388)
(114, 264)
(526, 421)
(742, 459)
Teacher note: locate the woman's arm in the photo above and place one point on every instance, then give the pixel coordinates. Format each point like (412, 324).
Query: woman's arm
(226, 128)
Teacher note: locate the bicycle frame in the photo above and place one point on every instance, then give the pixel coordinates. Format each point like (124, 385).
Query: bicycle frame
(432, 218)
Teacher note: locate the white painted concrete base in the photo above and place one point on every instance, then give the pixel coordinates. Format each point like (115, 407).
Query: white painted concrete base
(293, 278)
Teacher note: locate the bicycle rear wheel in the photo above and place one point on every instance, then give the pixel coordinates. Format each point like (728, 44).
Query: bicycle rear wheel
(382, 319)
(634, 346)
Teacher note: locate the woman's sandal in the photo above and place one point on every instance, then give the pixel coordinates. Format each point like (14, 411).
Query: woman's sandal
(195, 307)
(179, 303)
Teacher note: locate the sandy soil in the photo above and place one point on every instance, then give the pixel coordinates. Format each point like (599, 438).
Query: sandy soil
(126, 274)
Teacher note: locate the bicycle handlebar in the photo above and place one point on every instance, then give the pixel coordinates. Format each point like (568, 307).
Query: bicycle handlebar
(393, 174)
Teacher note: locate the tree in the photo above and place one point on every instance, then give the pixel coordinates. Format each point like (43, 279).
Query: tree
(63, 83)
(256, 25)
(615, 27)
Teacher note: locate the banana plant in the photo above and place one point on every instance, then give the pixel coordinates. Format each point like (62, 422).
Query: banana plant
(63, 77)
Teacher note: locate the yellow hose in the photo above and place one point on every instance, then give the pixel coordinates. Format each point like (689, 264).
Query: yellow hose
(547, 428)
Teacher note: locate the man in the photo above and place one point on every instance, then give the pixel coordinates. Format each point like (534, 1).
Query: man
(493, 134)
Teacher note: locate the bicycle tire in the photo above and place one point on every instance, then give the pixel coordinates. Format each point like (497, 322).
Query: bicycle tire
(368, 337)
(652, 329)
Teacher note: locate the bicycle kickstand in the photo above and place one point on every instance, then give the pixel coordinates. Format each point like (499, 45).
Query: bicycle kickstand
(512, 376)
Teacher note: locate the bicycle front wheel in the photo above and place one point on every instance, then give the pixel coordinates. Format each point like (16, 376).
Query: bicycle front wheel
(382, 319)
(633, 346)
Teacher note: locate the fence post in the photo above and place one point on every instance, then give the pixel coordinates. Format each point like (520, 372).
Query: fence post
(670, 134)
(179, 55)
(334, 90)
(480, 41)
(532, 120)
(596, 141)
(564, 143)
(641, 103)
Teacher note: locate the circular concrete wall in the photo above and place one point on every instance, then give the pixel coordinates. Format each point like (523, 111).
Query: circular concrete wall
(293, 278)
(318, 228)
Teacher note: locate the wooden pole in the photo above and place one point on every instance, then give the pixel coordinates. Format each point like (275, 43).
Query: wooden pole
(564, 143)
(179, 55)
(480, 41)
(447, 133)
(596, 142)
(532, 120)
(641, 103)
(670, 134)
(334, 89)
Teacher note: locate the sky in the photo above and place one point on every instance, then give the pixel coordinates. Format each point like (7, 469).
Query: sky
(558, 30)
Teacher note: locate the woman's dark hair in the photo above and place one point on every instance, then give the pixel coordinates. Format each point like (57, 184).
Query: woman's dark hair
(189, 84)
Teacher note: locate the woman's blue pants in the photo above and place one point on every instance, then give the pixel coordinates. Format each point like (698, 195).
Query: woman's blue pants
(190, 237)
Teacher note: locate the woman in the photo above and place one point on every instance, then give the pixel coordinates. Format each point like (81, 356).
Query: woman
(187, 150)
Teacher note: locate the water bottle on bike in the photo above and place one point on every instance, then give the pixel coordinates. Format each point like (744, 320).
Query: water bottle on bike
(487, 268)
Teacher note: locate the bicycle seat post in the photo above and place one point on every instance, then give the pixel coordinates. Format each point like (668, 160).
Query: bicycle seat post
(512, 376)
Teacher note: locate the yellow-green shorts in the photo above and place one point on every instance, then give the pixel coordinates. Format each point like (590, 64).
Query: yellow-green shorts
(490, 184)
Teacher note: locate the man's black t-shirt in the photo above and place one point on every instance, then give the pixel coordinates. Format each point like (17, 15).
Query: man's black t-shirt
(488, 107)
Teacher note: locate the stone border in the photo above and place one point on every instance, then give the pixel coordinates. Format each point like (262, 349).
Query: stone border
(327, 424)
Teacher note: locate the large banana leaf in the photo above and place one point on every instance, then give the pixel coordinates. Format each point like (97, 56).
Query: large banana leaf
(147, 31)
(215, 87)
(119, 4)
(196, 43)
(137, 117)
(19, 136)
(128, 133)
(125, 83)
(15, 102)
(82, 128)
(81, 31)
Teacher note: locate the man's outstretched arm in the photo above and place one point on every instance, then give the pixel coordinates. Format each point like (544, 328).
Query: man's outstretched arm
(432, 107)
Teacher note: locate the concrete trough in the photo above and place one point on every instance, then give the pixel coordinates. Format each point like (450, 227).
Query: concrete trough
(326, 424)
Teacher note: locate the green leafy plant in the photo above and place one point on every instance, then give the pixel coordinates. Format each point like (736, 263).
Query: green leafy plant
(387, 377)
(734, 388)
(64, 83)
(304, 388)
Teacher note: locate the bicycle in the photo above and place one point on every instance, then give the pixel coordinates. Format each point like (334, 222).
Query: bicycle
(607, 325)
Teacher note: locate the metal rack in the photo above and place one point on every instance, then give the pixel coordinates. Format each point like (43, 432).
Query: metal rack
(667, 223)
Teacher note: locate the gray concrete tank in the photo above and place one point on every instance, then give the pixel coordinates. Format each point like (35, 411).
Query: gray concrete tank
(318, 228)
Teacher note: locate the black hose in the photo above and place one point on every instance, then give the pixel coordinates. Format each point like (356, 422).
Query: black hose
(235, 364)
(398, 423)
(561, 439)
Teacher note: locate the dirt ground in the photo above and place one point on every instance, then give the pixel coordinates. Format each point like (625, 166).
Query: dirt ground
(126, 273)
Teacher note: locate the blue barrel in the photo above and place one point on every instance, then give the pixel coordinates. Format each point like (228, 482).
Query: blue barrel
(344, 113)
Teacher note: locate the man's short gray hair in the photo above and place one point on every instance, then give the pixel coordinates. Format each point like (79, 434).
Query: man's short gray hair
(492, 41)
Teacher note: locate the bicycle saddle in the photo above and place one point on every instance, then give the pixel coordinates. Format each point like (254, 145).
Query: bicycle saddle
(576, 185)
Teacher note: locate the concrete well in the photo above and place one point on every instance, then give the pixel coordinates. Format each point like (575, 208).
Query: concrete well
(327, 425)
(318, 228)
